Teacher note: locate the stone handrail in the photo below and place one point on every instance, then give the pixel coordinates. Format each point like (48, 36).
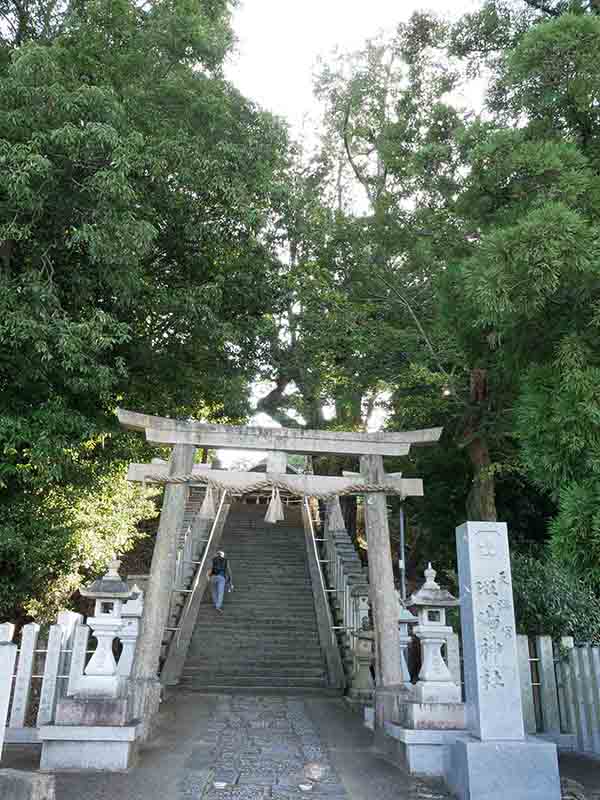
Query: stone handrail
(325, 625)
(179, 644)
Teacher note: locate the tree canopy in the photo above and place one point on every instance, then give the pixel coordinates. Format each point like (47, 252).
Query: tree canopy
(164, 245)
(136, 197)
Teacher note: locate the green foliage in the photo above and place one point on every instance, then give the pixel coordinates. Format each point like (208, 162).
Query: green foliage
(71, 534)
(137, 265)
(576, 529)
(551, 600)
(554, 77)
(558, 417)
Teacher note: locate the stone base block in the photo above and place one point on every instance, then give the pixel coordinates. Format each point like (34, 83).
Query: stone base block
(432, 716)
(145, 695)
(18, 785)
(78, 747)
(99, 686)
(96, 711)
(564, 741)
(436, 692)
(422, 752)
(497, 770)
(360, 695)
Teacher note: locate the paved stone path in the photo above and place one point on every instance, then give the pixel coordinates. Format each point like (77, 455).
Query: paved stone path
(263, 747)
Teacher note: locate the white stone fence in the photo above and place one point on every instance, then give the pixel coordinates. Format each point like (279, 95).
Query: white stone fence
(560, 688)
(39, 670)
(560, 692)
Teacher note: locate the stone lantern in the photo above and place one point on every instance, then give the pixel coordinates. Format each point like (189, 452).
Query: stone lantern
(110, 592)
(435, 683)
(94, 727)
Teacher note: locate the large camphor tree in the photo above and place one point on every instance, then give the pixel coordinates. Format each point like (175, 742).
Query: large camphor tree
(534, 275)
(136, 265)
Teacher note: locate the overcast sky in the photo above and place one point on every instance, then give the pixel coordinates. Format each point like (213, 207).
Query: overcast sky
(280, 40)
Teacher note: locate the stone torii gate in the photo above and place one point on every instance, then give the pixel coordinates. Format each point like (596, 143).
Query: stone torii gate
(185, 436)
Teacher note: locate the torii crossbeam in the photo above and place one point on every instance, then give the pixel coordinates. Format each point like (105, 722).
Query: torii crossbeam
(165, 431)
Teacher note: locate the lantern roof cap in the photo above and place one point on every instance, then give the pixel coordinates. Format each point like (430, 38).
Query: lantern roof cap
(109, 586)
(431, 593)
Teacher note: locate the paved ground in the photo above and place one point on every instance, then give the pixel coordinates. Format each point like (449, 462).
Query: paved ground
(263, 747)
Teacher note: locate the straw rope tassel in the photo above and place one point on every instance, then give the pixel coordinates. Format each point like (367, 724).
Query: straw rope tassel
(207, 509)
(275, 510)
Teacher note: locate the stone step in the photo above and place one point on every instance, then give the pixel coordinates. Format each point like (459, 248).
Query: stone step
(265, 597)
(246, 655)
(229, 622)
(257, 643)
(249, 670)
(257, 605)
(267, 635)
(294, 618)
(284, 691)
(260, 635)
(254, 681)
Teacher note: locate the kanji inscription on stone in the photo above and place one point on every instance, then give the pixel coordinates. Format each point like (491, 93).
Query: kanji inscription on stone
(492, 688)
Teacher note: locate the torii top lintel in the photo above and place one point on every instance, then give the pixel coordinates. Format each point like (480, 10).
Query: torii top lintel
(165, 431)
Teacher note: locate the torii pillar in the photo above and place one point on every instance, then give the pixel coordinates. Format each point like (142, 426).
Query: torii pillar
(384, 601)
(145, 684)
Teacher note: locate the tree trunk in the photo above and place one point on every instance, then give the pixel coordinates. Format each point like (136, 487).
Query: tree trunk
(481, 501)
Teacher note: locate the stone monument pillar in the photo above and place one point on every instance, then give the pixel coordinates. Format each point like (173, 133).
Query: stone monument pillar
(496, 760)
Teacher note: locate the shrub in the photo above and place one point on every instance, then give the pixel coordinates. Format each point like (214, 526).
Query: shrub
(551, 600)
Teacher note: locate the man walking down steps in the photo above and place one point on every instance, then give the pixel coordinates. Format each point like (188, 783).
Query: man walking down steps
(220, 575)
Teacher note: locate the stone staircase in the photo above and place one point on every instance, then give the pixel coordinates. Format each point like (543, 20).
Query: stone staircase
(266, 638)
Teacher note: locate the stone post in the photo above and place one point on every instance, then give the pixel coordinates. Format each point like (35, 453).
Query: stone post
(144, 678)
(22, 687)
(361, 688)
(384, 601)
(404, 620)
(131, 613)
(496, 761)
(8, 655)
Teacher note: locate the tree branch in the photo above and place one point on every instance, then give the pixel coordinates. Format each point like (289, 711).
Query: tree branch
(411, 311)
(359, 176)
(540, 5)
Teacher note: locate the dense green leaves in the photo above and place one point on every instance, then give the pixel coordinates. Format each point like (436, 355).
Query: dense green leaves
(136, 264)
(552, 600)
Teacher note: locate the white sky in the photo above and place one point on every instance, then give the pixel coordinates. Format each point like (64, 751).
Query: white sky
(279, 42)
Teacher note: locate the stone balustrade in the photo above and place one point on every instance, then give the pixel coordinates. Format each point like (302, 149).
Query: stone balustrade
(349, 595)
(61, 675)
